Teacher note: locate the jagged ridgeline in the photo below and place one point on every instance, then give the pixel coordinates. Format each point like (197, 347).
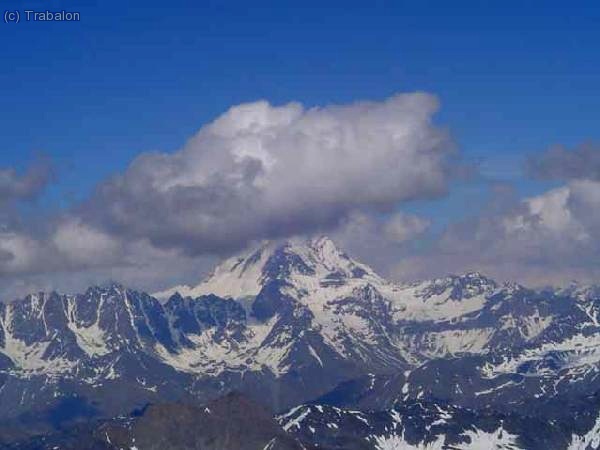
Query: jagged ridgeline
(333, 355)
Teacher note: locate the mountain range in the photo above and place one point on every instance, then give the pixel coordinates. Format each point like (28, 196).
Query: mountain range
(317, 347)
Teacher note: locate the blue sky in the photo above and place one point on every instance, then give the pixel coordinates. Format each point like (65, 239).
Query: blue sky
(513, 78)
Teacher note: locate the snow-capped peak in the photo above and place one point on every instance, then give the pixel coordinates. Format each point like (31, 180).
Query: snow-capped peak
(244, 275)
(460, 287)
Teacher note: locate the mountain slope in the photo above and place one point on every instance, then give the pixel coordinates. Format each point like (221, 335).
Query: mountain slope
(230, 422)
(435, 425)
(288, 323)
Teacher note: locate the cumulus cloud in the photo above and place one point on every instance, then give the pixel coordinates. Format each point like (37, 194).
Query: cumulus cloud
(258, 171)
(15, 186)
(396, 228)
(79, 244)
(73, 255)
(381, 240)
(263, 171)
(19, 253)
(20, 250)
(559, 163)
(551, 238)
(267, 172)
(402, 227)
(562, 225)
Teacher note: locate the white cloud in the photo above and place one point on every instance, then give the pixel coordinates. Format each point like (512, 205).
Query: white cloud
(79, 243)
(402, 227)
(257, 172)
(380, 240)
(565, 213)
(262, 171)
(551, 238)
(560, 163)
(548, 213)
(15, 186)
(18, 252)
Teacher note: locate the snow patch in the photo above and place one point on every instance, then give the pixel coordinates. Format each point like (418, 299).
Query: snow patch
(398, 443)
